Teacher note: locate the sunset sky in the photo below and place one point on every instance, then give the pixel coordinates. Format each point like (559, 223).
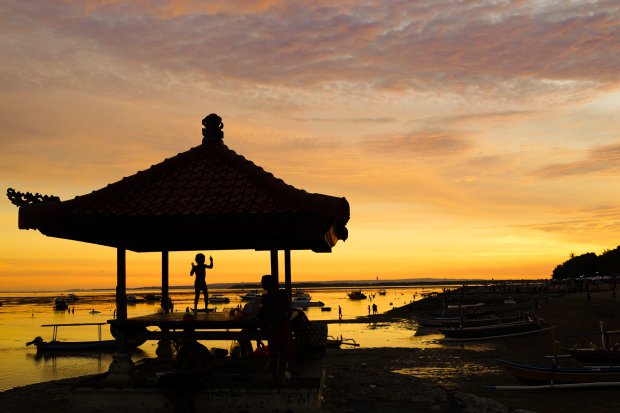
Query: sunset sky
(472, 139)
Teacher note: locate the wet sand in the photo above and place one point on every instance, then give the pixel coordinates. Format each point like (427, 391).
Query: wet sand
(449, 379)
(469, 369)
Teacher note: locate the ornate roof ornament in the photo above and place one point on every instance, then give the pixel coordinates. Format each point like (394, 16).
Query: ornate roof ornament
(22, 199)
(212, 128)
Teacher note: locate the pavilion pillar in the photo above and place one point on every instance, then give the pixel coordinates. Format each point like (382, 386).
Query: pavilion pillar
(121, 363)
(287, 273)
(274, 266)
(165, 272)
(121, 284)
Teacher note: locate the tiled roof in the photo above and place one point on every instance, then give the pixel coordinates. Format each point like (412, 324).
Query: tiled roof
(206, 198)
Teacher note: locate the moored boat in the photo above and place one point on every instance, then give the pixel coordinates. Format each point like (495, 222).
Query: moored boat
(596, 356)
(301, 294)
(71, 298)
(152, 297)
(91, 345)
(495, 330)
(357, 295)
(543, 375)
(337, 342)
(60, 303)
(251, 295)
(132, 299)
(303, 302)
(218, 298)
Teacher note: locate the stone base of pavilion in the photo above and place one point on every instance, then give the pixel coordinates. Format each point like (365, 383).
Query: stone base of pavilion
(237, 385)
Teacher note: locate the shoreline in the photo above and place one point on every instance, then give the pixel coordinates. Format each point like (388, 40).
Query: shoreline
(451, 378)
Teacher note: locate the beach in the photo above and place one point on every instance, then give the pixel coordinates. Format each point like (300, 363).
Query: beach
(450, 378)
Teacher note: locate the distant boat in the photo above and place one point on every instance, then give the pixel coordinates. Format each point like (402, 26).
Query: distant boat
(152, 297)
(382, 292)
(302, 295)
(60, 303)
(326, 309)
(132, 299)
(218, 298)
(251, 295)
(303, 302)
(356, 295)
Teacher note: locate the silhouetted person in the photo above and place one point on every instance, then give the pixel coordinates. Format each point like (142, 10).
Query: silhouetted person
(191, 373)
(374, 308)
(200, 284)
(276, 312)
(339, 313)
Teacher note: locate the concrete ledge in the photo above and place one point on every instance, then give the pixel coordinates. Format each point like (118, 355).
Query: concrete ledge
(238, 386)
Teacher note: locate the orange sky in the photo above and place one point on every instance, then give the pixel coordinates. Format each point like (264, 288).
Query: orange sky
(472, 139)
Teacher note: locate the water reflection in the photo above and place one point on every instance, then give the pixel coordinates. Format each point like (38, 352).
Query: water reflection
(23, 314)
(449, 376)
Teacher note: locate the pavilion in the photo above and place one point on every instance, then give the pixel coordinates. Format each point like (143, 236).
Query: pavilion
(207, 198)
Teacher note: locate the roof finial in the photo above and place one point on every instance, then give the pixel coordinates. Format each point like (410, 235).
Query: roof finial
(212, 128)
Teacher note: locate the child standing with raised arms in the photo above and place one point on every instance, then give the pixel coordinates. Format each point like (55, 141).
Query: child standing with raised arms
(200, 285)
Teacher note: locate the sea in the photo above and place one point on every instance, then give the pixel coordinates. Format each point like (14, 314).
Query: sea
(23, 316)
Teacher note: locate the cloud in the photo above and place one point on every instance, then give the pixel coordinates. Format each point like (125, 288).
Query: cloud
(429, 47)
(426, 143)
(602, 160)
(585, 224)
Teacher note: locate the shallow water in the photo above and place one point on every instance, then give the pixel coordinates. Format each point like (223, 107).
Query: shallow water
(23, 314)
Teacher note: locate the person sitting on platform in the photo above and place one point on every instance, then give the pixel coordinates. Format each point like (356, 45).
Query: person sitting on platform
(276, 312)
(191, 373)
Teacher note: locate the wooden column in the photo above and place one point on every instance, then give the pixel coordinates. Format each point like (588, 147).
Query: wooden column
(274, 266)
(121, 284)
(287, 273)
(165, 295)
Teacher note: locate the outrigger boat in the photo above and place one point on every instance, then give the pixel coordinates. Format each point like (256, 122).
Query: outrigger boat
(95, 345)
(534, 375)
(589, 352)
(491, 331)
(336, 342)
(590, 355)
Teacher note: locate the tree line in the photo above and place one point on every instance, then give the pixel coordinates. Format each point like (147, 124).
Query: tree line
(589, 265)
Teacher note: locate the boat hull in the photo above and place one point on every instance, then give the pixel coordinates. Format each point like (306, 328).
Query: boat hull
(97, 346)
(533, 375)
(595, 356)
(492, 331)
(306, 304)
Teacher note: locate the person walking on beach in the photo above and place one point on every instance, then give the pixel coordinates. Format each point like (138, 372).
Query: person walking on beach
(339, 313)
(200, 284)
(276, 312)
(374, 308)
